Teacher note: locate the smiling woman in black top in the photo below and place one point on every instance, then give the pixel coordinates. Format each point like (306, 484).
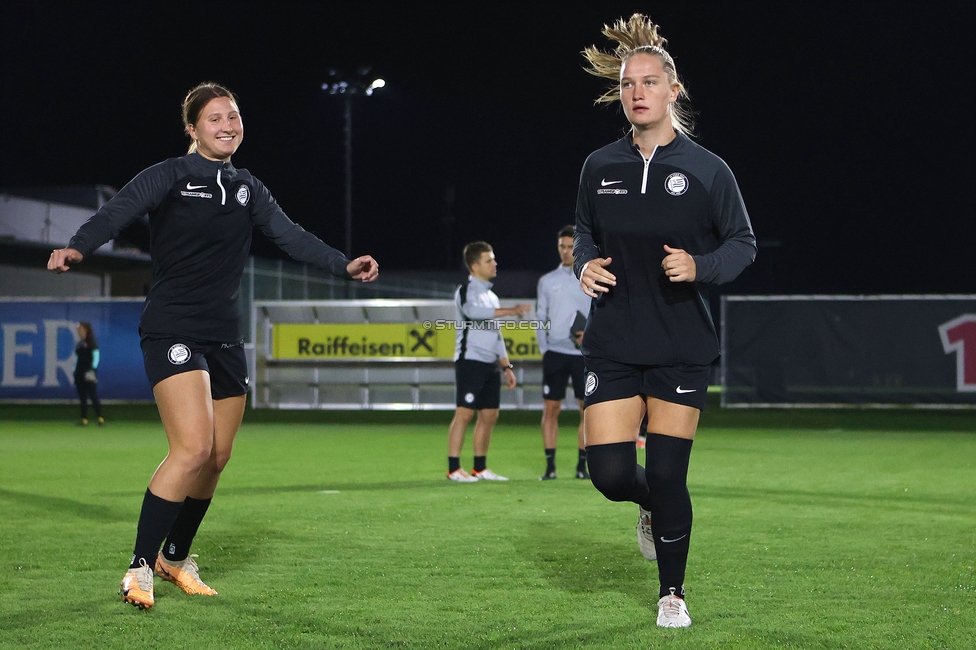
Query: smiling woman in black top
(201, 214)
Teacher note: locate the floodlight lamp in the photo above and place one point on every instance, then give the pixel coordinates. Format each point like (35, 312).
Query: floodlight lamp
(377, 83)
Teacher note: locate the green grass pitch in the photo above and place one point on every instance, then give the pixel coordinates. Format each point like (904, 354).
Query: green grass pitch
(813, 529)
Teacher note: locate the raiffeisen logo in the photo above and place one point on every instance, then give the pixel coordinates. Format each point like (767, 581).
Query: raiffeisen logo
(527, 348)
(338, 341)
(367, 341)
(342, 346)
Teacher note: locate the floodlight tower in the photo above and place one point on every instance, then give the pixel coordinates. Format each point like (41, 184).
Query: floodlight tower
(348, 86)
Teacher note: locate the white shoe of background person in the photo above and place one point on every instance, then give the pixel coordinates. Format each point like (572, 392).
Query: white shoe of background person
(460, 476)
(488, 475)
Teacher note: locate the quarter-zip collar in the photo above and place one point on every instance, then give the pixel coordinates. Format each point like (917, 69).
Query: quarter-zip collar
(221, 171)
(647, 161)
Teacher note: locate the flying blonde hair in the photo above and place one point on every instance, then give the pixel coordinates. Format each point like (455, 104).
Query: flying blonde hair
(637, 35)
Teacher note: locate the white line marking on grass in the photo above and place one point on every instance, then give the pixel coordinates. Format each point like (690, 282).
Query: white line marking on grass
(328, 491)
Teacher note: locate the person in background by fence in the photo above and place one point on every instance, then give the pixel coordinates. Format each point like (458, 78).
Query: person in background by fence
(563, 307)
(479, 357)
(658, 219)
(86, 372)
(202, 211)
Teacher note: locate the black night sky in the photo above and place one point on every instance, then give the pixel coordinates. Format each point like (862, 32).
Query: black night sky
(849, 126)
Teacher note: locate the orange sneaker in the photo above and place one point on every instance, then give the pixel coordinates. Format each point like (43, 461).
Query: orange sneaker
(137, 586)
(185, 574)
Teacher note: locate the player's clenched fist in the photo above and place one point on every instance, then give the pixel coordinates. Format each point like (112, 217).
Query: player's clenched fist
(678, 265)
(363, 268)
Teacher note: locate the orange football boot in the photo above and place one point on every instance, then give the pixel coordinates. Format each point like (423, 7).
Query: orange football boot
(185, 574)
(137, 586)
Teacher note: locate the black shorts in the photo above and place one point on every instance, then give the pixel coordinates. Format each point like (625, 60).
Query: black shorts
(679, 383)
(225, 362)
(478, 385)
(557, 369)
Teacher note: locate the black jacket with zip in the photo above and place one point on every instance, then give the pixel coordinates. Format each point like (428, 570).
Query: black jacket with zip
(201, 215)
(628, 208)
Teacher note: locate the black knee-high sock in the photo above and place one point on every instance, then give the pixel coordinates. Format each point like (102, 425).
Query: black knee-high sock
(671, 514)
(615, 472)
(155, 520)
(550, 460)
(177, 545)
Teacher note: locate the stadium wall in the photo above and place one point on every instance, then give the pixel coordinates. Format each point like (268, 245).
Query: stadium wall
(37, 340)
(376, 355)
(849, 351)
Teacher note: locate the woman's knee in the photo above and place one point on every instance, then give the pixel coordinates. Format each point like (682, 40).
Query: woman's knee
(613, 470)
(221, 459)
(217, 460)
(613, 485)
(192, 457)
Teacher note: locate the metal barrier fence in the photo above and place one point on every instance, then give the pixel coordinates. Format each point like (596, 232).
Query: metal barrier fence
(360, 363)
(282, 280)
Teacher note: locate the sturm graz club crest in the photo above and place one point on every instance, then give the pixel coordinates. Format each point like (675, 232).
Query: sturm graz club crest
(178, 354)
(243, 195)
(676, 184)
(591, 383)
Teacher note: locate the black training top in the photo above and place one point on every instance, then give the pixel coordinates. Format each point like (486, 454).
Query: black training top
(201, 214)
(628, 209)
(85, 359)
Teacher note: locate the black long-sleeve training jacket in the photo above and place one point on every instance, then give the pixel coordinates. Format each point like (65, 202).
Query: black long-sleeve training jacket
(628, 208)
(201, 214)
